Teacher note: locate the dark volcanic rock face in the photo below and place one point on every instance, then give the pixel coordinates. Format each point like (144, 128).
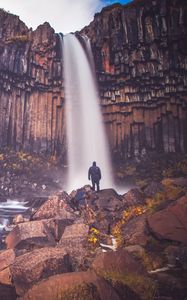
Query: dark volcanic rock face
(31, 95)
(141, 58)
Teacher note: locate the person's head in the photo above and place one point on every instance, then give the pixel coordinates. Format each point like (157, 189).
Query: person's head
(94, 163)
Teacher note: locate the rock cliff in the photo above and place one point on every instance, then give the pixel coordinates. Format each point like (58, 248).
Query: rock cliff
(31, 106)
(141, 60)
(140, 54)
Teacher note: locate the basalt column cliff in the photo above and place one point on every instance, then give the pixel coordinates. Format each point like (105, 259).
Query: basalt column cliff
(31, 91)
(140, 52)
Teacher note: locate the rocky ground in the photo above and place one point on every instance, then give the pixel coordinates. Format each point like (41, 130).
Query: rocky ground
(109, 246)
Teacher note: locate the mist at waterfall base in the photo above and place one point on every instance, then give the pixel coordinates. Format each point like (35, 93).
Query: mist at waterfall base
(86, 139)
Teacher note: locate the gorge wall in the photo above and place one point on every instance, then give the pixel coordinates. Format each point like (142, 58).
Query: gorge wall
(140, 52)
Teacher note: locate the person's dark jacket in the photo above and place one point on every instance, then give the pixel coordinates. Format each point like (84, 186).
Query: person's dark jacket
(95, 173)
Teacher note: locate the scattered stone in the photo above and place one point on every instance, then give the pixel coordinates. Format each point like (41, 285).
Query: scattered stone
(30, 235)
(135, 231)
(74, 241)
(54, 207)
(79, 285)
(7, 257)
(133, 197)
(34, 266)
(121, 262)
(171, 223)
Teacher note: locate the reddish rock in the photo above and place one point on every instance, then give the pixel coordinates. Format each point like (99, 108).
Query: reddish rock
(74, 241)
(80, 285)
(29, 235)
(119, 262)
(54, 208)
(133, 198)
(171, 223)
(7, 257)
(6, 276)
(135, 232)
(34, 266)
(108, 200)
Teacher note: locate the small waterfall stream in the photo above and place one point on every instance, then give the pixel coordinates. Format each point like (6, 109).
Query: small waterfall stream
(85, 129)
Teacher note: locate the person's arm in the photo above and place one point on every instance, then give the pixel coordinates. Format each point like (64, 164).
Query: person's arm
(89, 171)
(99, 173)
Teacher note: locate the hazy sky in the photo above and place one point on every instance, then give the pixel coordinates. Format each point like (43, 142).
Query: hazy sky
(63, 15)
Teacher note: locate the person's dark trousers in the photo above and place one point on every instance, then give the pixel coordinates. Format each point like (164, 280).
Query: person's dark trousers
(97, 184)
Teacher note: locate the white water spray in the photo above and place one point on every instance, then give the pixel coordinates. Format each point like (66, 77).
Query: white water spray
(85, 129)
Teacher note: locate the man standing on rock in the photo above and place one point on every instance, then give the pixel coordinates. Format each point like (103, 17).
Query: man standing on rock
(95, 174)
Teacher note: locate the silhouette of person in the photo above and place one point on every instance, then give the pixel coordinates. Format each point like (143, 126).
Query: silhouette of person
(95, 174)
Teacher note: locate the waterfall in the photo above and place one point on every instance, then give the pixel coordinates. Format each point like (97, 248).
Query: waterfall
(86, 139)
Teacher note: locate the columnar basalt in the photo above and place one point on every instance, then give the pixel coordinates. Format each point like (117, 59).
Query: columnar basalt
(31, 93)
(141, 65)
(141, 61)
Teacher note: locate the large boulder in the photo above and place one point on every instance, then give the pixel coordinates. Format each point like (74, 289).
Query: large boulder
(79, 286)
(7, 257)
(108, 200)
(30, 235)
(120, 262)
(34, 266)
(57, 226)
(135, 231)
(133, 197)
(54, 208)
(170, 223)
(74, 241)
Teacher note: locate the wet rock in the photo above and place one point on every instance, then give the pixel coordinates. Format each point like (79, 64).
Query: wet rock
(34, 266)
(30, 235)
(80, 285)
(170, 223)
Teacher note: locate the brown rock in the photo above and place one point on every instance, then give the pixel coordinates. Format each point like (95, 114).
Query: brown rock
(30, 235)
(54, 208)
(7, 292)
(57, 226)
(80, 285)
(120, 262)
(108, 200)
(74, 241)
(135, 232)
(7, 257)
(171, 223)
(6, 276)
(37, 265)
(133, 197)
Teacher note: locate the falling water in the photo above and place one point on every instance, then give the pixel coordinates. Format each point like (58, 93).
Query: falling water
(85, 129)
